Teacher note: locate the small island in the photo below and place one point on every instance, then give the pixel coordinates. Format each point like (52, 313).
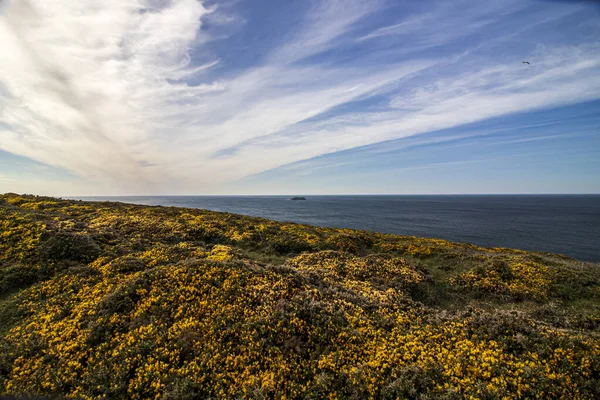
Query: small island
(298, 198)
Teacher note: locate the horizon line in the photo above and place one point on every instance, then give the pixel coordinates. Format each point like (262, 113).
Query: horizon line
(324, 194)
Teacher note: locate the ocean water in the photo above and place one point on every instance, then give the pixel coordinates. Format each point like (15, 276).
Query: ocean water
(564, 224)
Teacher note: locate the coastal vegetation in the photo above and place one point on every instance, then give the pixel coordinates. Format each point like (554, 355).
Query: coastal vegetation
(110, 300)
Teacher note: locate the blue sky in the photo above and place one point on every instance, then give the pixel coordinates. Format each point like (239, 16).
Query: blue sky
(323, 96)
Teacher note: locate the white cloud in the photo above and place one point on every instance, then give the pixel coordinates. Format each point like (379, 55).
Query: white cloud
(326, 22)
(446, 21)
(84, 80)
(447, 102)
(101, 89)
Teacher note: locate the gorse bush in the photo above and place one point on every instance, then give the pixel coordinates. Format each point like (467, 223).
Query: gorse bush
(70, 246)
(108, 300)
(518, 280)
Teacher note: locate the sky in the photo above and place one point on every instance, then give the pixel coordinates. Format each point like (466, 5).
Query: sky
(134, 97)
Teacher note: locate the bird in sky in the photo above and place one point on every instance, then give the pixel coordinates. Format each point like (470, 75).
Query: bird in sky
(526, 62)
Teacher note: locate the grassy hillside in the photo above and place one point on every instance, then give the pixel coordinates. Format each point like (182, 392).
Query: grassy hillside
(109, 300)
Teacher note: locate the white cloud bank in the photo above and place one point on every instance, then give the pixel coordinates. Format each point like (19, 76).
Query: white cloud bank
(101, 89)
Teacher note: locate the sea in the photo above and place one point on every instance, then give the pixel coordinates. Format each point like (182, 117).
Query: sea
(564, 224)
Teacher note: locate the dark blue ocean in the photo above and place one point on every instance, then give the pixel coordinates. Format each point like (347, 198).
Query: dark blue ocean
(565, 224)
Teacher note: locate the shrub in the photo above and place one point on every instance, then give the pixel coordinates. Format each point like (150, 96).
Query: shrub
(123, 265)
(223, 253)
(343, 243)
(19, 276)
(287, 244)
(514, 279)
(70, 246)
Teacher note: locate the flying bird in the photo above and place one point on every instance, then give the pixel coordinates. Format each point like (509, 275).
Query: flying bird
(526, 62)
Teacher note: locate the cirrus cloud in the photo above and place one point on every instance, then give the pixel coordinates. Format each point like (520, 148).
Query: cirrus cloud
(133, 95)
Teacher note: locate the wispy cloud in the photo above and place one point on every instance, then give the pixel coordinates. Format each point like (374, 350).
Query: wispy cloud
(450, 101)
(131, 94)
(451, 20)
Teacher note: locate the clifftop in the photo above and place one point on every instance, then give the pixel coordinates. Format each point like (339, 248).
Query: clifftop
(124, 301)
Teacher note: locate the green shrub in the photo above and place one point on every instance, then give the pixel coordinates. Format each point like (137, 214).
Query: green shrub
(287, 244)
(70, 246)
(18, 276)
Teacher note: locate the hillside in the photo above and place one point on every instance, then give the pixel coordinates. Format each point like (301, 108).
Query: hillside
(111, 300)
